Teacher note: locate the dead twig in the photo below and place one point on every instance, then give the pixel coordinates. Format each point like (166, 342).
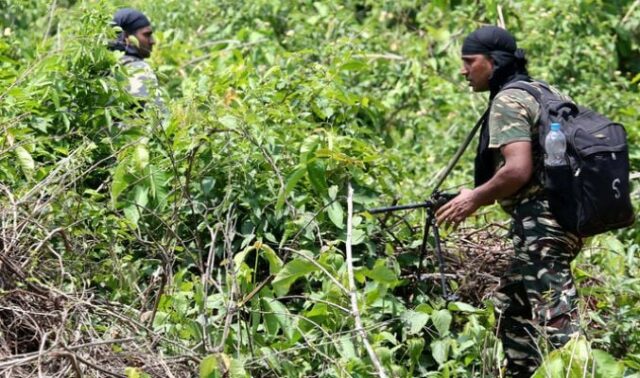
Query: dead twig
(355, 312)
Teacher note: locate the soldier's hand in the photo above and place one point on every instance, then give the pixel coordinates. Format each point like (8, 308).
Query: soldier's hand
(458, 209)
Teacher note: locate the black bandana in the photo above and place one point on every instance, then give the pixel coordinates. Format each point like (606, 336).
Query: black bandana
(509, 61)
(488, 39)
(130, 20)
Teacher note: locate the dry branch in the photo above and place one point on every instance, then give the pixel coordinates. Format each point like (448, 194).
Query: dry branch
(355, 312)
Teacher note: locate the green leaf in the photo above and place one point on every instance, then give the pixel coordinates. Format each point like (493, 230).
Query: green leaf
(317, 176)
(553, 366)
(380, 273)
(606, 365)
(440, 351)
(271, 324)
(281, 314)
(229, 121)
(354, 65)
(132, 372)
(291, 182)
(415, 320)
(415, 347)
(157, 184)
(140, 197)
(347, 350)
(132, 214)
(141, 157)
(25, 160)
(291, 272)
(120, 181)
(357, 236)
(209, 367)
(336, 214)
(238, 259)
(275, 263)
(441, 319)
(333, 192)
(461, 307)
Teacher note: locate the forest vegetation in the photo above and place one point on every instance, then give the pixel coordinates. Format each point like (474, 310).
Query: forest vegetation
(229, 239)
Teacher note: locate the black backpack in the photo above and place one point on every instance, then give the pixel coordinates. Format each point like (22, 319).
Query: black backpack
(591, 194)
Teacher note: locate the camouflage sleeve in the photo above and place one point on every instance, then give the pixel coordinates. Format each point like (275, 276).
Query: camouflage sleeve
(143, 83)
(513, 113)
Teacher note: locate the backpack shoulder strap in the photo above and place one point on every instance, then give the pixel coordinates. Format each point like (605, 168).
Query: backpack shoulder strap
(527, 87)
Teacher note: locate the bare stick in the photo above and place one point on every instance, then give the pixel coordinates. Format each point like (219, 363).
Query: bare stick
(501, 16)
(211, 258)
(352, 288)
(630, 12)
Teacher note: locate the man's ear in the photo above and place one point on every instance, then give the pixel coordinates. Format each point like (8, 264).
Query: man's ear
(491, 60)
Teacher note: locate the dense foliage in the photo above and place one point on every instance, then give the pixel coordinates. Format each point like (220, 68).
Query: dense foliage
(223, 227)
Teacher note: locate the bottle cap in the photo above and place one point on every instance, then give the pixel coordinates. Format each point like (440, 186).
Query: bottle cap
(555, 126)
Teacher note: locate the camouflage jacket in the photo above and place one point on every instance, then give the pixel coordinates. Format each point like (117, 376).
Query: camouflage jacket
(143, 83)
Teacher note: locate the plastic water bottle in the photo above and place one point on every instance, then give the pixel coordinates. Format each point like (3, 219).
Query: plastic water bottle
(555, 145)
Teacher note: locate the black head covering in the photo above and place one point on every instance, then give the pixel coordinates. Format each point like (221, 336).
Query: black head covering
(509, 61)
(130, 20)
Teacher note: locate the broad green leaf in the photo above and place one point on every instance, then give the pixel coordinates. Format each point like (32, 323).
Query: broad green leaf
(292, 181)
(553, 366)
(317, 176)
(157, 184)
(380, 273)
(271, 324)
(319, 309)
(236, 369)
(291, 272)
(415, 320)
(336, 214)
(131, 372)
(440, 350)
(441, 319)
(275, 263)
(25, 160)
(120, 182)
(347, 350)
(384, 354)
(132, 214)
(333, 192)
(211, 365)
(229, 121)
(140, 157)
(415, 347)
(462, 307)
(606, 365)
(281, 313)
(354, 65)
(264, 251)
(238, 259)
(140, 197)
(357, 236)
(424, 307)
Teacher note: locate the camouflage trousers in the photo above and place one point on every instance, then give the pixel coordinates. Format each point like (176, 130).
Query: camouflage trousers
(536, 302)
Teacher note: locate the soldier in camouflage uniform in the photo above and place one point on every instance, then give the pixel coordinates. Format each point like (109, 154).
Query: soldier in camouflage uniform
(136, 41)
(537, 299)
